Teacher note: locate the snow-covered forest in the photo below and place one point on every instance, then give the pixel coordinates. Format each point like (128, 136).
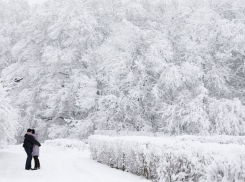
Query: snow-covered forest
(70, 67)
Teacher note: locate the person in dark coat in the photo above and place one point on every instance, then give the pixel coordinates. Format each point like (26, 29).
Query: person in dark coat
(28, 146)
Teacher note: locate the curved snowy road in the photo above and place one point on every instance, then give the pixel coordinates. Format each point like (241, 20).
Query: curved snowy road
(59, 165)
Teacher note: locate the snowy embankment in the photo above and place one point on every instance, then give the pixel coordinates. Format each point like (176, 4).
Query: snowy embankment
(173, 159)
(62, 160)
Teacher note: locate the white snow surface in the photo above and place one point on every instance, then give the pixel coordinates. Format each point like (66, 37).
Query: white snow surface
(31, 2)
(59, 164)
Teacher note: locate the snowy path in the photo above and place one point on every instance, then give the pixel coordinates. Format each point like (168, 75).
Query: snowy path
(59, 165)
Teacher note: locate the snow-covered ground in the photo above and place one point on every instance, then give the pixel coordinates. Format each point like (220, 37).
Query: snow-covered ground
(59, 164)
(31, 2)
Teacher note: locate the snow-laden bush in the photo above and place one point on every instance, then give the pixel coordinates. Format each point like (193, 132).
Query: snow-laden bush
(67, 143)
(221, 139)
(166, 159)
(76, 129)
(124, 133)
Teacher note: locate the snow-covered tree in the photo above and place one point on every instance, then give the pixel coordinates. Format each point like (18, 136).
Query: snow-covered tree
(126, 65)
(8, 119)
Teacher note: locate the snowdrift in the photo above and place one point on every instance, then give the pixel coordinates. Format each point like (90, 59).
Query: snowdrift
(171, 159)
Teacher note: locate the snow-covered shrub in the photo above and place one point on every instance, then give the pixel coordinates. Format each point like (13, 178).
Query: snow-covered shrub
(67, 143)
(220, 139)
(76, 129)
(106, 132)
(57, 131)
(80, 129)
(227, 116)
(166, 159)
(123, 133)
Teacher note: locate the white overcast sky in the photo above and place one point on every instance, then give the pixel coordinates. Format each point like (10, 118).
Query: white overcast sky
(36, 1)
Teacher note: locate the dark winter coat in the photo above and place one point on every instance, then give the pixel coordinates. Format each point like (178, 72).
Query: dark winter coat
(30, 141)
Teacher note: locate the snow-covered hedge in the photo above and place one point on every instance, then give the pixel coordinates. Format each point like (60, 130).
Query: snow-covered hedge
(67, 143)
(221, 139)
(166, 159)
(124, 133)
